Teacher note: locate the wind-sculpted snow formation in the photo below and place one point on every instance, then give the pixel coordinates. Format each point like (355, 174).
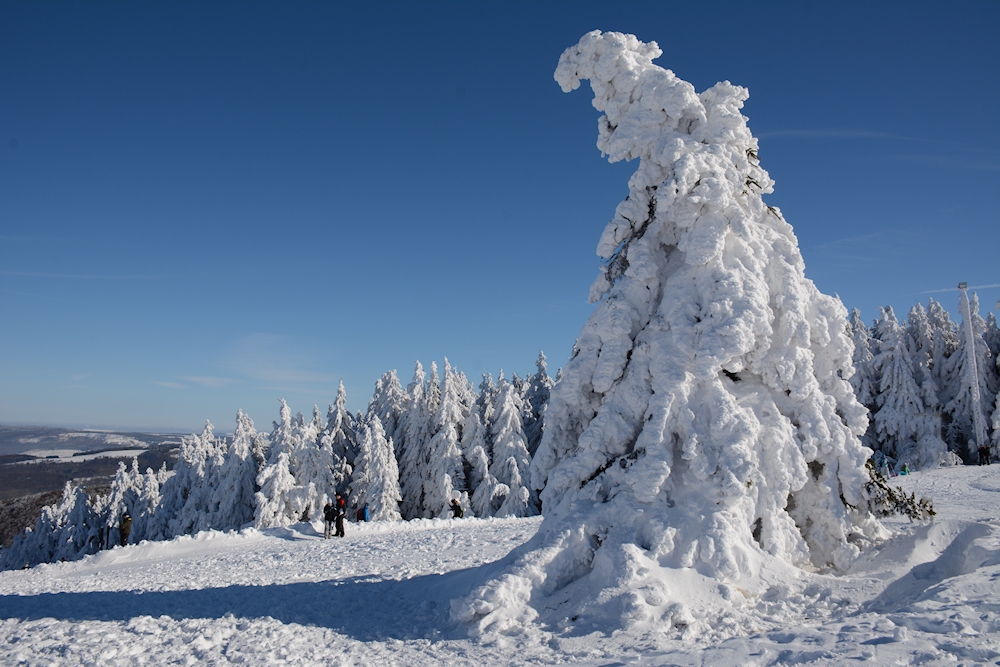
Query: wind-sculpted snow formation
(705, 421)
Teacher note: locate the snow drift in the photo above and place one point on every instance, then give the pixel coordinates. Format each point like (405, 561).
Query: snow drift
(705, 428)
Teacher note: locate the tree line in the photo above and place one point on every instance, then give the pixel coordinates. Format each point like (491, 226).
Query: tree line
(412, 452)
(416, 448)
(916, 379)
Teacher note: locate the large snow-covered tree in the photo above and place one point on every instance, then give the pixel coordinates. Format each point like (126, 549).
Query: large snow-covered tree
(705, 419)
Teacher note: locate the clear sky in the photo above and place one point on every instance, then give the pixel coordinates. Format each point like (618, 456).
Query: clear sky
(208, 206)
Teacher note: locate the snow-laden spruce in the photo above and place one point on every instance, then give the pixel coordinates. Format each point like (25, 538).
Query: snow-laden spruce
(960, 376)
(376, 478)
(905, 428)
(705, 419)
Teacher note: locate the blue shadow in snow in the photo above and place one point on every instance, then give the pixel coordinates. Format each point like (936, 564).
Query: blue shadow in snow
(364, 608)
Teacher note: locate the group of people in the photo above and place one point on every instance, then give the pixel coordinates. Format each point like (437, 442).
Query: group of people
(333, 515)
(335, 511)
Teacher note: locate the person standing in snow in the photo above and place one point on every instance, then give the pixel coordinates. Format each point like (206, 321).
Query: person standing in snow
(125, 527)
(329, 516)
(456, 509)
(364, 514)
(341, 511)
(984, 455)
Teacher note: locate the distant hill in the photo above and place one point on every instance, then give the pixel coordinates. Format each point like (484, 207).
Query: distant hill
(40, 459)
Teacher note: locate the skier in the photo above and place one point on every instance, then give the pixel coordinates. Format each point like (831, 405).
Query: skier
(984, 455)
(363, 513)
(341, 512)
(329, 516)
(125, 527)
(456, 509)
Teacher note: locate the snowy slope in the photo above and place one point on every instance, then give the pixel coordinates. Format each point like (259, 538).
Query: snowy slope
(930, 595)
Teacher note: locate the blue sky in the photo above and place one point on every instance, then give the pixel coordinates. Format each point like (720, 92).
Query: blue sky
(208, 206)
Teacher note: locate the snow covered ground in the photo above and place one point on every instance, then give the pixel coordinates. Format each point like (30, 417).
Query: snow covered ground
(930, 595)
(75, 455)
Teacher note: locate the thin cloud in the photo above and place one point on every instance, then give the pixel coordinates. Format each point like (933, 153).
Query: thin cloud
(76, 276)
(39, 296)
(848, 133)
(208, 381)
(277, 359)
(169, 385)
(947, 161)
(835, 133)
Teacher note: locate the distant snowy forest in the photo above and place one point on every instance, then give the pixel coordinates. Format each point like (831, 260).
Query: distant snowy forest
(408, 456)
(417, 448)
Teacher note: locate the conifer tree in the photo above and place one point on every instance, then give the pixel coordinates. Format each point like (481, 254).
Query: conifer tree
(537, 397)
(389, 403)
(486, 493)
(317, 474)
(232, 504)
(412, 465)
(376, 477)
(278, 501)
(864, 381)
(444, 479)
(945, 343)
(340, 428)
(511, 461)
(959, 378)
(904, 428)
(703, 418)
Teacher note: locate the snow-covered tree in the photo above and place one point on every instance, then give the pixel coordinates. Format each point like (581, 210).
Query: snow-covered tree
(376, 477)
(921, 345)
(278, 501)
(340, 428)
(960, 376)
(444, 478)
(537, 396)
(389, 403)
(703, 420)
(486, 493)
(945, 342)
(510, 460)
(865, 386)
(412, 466)
(146, 504)
(125, 490)
(232, 502)
(865, 380)
(188, 494)
(904, 428)
(318, 474)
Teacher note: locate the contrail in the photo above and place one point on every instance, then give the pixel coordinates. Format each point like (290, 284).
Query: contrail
(955, 289)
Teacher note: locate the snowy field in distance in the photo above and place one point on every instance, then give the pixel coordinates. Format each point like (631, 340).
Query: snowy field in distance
(75, 455)
(930, 595)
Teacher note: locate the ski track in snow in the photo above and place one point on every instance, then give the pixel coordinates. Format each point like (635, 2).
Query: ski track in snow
(380, 596)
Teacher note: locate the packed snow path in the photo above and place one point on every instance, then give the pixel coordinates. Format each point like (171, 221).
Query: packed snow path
(931, 595)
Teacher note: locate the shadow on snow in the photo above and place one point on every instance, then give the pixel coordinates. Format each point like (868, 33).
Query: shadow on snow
(365, 608)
